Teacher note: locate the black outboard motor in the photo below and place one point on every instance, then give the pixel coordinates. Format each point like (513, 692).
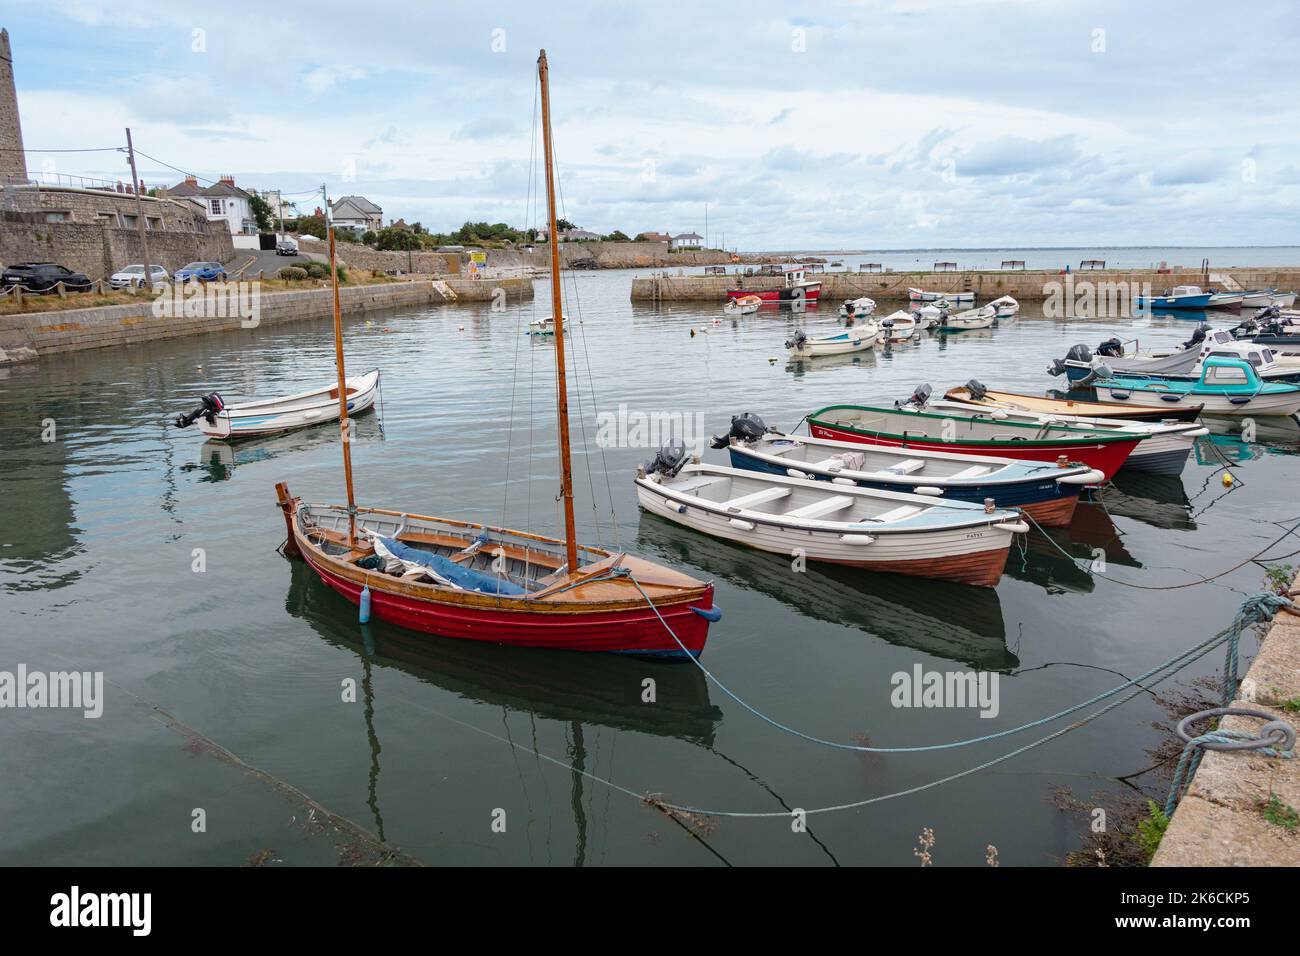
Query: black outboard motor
(800, 337)
(745, 427)
(1112, 348)
(1197, 338)
(1077, 353)
(212, 404)
(668, 461)
(919, 397)
(976, 390)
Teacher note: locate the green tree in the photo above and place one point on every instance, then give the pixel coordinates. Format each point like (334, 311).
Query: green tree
(617, 236)
(262, 212)
(401, 239)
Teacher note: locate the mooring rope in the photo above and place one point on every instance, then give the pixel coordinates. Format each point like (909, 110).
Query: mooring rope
(1161, 587)
(1275, 739)
(1255, 609)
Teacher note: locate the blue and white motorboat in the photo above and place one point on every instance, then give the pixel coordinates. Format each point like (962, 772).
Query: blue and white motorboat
(1227, 386)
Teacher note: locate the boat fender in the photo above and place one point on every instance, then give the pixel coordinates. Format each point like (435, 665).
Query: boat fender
(681, 509)
(1119, 395)
(843, 481)
(930, 490)
(364, 616)
(1170, 398)
(857, 538)
(1015, 527)
(1239, 400)
(711, 614)
(796, 473)
(742, 524)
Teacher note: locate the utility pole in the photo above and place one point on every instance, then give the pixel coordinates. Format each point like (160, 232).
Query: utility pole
(706, 225)
(139, 213)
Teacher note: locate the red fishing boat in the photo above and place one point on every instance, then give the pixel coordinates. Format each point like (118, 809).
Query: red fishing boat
(952, 432)
(473, 581)
(796, 287)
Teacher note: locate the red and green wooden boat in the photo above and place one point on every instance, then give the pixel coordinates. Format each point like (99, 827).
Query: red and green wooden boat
(933, 431)
(465, 580)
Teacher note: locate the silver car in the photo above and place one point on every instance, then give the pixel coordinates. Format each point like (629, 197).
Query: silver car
(134, 275)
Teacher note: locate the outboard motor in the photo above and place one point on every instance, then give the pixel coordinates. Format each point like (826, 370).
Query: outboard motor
(1112, 348)
(745, 427)
(668, 461)
(1197, 337)
(1099, 371)
(800, 337)
(1077, 353)
(976, 389)
(919, 397)
(212, 404)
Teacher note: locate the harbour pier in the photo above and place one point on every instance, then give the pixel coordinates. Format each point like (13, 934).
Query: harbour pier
(1023, 285)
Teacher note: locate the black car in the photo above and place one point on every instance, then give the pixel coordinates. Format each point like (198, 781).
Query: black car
(42, 277)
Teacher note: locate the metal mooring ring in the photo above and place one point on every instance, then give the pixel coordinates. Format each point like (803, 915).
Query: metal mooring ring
(1275, 733)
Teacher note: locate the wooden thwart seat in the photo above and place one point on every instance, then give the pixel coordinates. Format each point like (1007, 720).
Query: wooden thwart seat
(974, 471)
(899, 513)
(906, 467)
(819, 508)
(756, 498)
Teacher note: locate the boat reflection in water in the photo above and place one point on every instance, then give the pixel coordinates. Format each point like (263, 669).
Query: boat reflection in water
(219, 458)
(799, 367)
(602, 689)
(951, 621)
(1157, 500)
(1244, 439)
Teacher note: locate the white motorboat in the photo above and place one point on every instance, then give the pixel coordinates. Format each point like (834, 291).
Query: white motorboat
(859, 338)
(858, 308)
(745, 305)
(1006, 306)
(981, 318)
(837, 523)
(899, 326)
(957, 298)
(267, 416)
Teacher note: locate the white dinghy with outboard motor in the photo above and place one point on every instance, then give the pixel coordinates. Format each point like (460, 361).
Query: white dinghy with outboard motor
(267, 416)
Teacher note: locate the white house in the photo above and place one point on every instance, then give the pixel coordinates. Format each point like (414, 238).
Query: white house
(223, 201)
(687, 240)
(356, 212)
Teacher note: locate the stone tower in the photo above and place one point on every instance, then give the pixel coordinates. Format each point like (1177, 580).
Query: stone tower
(13, 162)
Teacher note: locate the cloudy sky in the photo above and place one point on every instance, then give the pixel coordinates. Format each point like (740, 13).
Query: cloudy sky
(889, 124)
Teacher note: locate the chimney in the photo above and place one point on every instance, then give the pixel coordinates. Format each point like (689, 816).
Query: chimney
(228, 179)
(191, 181)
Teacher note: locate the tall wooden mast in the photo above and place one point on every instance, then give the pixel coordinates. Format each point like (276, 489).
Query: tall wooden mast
(344, 430)
(561, 388)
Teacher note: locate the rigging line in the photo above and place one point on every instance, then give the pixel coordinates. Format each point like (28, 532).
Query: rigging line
(591, 384)
(576, 335)
(519, 312)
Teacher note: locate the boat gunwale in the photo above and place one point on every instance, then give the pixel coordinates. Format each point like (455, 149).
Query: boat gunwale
(1081, 436)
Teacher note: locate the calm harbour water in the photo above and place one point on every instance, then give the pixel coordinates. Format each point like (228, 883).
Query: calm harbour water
(96, 572)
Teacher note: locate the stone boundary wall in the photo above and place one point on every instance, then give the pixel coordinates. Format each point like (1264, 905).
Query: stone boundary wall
(892, 286)
(33, 335)
(1218, 821)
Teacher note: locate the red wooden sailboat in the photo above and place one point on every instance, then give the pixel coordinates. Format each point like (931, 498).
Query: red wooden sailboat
(478, 582)
(796, 287)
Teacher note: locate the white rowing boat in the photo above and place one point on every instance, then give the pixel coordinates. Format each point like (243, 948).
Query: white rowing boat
(857, 339)
(1006, 307)
(899, 326)
(858, 308)
(267, 416)
(745, 305)
(836, 523)
(981, 318)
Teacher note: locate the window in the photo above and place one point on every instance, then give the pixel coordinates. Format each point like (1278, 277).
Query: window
(108, 219)
(152, 222)
(214, 206)
(1220, 375)
(60, 216)
(128, 222)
